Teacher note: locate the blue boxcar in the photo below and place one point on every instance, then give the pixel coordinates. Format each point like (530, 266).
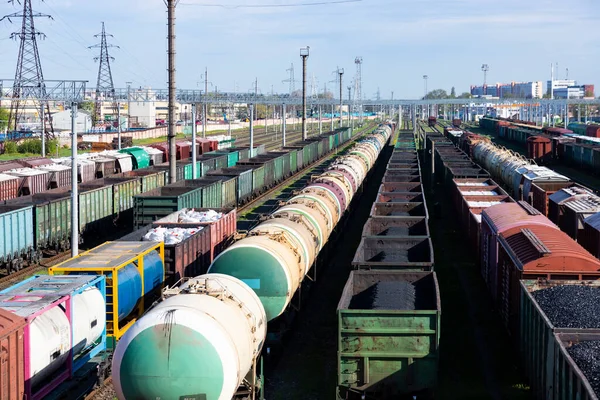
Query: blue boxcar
(16, 237)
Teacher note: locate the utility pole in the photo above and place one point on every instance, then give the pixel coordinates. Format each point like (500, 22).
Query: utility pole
(119, 124)
(105, 88)
(205, 105)
(171, 4)
(283, 115)
(29, 78)
(350, 119)
(251, 130)
(128, 105)
(304, 52)
(43, 130)
(74, 188)
(340, 72)
(194, 144)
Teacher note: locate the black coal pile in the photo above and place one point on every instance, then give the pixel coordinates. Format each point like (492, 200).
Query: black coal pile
(385, 296)
(587, 357)
(396, 231)
(390, 256)
(570, 306)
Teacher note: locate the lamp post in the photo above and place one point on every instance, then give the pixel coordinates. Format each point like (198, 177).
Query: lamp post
(425, 77)
(304, 54)
(341, 73)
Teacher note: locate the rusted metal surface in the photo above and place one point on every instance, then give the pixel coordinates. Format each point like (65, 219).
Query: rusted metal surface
(537, 252)
(389, 352)
(12, 363)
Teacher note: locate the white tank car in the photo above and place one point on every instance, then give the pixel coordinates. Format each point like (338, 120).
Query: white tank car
(201, 341)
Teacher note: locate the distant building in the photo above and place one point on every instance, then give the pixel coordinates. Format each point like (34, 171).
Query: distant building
(519, 90)
(62, 121)
(574, 92)
(559, 84)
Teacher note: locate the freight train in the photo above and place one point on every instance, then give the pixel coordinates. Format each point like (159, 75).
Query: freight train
(40, 222)
(206, 336)
(520, 252)
(68, 323)
(391, 293)
(575, 146)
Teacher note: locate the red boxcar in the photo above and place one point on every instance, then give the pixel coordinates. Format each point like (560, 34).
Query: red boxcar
(539, 148)
(503, 219)
(9, 187)
(593, 131)
(12, 356)
(533, 252)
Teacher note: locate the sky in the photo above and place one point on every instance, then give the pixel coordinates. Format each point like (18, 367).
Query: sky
(398, 40)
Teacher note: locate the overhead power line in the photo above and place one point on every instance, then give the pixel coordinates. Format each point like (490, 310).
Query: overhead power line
(234, 6)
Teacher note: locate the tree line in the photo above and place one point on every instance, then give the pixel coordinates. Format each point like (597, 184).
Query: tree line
(442, 94)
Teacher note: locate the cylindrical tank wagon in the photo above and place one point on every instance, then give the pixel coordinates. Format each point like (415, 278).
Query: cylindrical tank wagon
(64, 328)
(251, 282)
(211, 330)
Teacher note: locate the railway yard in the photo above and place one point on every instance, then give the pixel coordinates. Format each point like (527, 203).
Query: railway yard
(404, 258)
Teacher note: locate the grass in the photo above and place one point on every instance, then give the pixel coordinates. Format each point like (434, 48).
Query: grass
(62, 152)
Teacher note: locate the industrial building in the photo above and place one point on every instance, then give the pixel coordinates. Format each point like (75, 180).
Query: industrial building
(520, 90)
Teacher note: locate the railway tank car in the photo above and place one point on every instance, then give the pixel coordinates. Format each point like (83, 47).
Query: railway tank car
(270, 260)
(205, 339)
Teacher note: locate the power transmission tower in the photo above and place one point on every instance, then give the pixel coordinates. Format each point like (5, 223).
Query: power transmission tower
(358, 84)
(105, 88)
(29, 79)
(314, 83)
(291, 80)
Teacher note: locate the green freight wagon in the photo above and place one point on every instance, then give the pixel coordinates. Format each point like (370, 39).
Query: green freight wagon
(243, 181)
(97, 208)
(571, 383)
(159, 203)
(51, 218)
(220, 159)
(266, 178)
(180, 170)
(123, 190)
(285, 161)
(258, 179)
(232, 156)
(243, 152)
(228, 189)
(578, 128)
(150, 179)
(300, 159)
(540, 352)
(388, 350)
(278, 163)
(293, 161)
(211, 195)
(140, 157)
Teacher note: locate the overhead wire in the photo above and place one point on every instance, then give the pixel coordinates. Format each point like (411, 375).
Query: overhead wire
(74, 34)
(235, 6)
